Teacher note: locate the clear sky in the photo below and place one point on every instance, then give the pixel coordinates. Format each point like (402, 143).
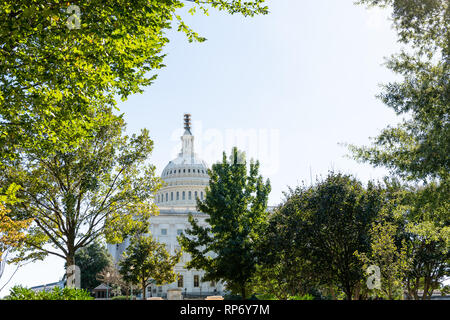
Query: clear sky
(287, 88)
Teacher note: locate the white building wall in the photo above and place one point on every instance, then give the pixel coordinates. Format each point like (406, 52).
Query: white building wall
(172, 222)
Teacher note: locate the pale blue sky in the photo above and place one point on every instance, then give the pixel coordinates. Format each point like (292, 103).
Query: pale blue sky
(307, 74)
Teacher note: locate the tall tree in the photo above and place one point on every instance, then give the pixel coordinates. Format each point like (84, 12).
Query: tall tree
(102, 189)
(61, 62)
(418, 148)
(91, 260)
(146, 259)
(236, 205)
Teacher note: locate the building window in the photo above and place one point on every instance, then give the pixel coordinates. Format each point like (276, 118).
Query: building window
(164, 232)
(184, 195)
(180, 281)
(178, 195)
(160, 289)
(201, 195)
(167, 197)
(190, 195)
(158, 197)
(171, 196)
(162, 198)
(195, 195)
(184, 170)
(212, 284)
(196, 281)
(189, 170)
(179, 232)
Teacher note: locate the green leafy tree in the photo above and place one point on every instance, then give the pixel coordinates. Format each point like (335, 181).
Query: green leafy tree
(103, 189)
(236, 205)
(392, 260)
(91, 260)
(146, 259)
(320, 228)
(283, 269)
(12, 230)
(60, 65)
(427, 234)
(418, 148)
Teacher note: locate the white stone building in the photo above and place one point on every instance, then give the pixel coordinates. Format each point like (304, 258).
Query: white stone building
(185, 178)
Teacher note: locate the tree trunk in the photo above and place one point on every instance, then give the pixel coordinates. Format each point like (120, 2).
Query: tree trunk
(70, 270)
(357, 290)
(243, 293)
(348, 292)
(333, 293)
(144, 287)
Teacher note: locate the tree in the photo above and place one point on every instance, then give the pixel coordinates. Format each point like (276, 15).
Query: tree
(101, 189)
(146, 259)
(62, 62)
(12, 230)
(418, 148)
(320, 228)
(236, 205)
(427, 233)
(283, 268)
(91, 260)
(392, 260)
(110, 275)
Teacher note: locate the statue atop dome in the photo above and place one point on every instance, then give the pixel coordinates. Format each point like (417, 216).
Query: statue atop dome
(187, 139)
(187, 122)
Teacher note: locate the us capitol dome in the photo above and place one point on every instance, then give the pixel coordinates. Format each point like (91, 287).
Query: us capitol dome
(185, 177)
(184, 180)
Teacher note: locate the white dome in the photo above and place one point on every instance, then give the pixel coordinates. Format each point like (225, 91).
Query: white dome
(185, 178)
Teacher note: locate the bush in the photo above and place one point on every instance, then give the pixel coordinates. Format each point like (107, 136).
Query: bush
(21, 293)
(266, 297)
(232, 297)
(305, 297)
(272, 297)
(120, 298)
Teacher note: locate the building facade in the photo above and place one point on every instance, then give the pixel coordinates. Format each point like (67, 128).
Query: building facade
(185, 179)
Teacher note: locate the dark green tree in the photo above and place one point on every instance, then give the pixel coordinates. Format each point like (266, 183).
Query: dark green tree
(146, 259)
(236, 205)
(313, 235)
(283, 269)
(91, 260)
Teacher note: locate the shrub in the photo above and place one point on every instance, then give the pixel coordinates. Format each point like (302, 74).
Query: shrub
(120, 298)
(21, 293)
(305, 297)
(266, 297)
